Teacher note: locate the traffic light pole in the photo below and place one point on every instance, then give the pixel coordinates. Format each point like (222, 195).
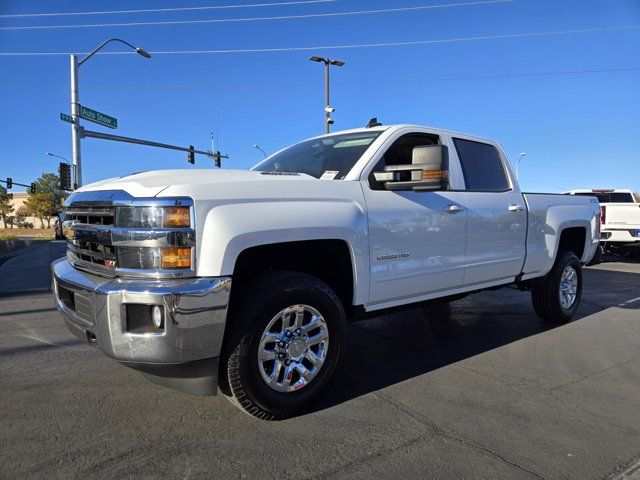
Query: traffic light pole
(75, 126)
(10, 183)
(83, 133)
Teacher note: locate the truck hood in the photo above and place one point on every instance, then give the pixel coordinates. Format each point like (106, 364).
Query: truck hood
(188, 182)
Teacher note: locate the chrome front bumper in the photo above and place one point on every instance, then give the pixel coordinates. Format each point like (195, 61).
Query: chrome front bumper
(182, 356)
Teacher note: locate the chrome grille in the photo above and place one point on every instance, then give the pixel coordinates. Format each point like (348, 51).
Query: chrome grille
(94, 253)
(91, 215)
(91, 245)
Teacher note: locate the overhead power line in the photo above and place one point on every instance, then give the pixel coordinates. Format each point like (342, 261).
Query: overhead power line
(341, 47)
(280, 86)
(162, 10)
(259, 19)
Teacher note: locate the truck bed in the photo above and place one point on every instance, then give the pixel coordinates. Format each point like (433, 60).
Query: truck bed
(548, 214)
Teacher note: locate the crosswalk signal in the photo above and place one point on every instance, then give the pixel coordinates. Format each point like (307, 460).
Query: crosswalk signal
(191, 155)
(9, 183)
(65, 176)
(32, 188)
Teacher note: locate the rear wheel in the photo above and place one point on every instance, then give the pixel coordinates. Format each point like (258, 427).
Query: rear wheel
(557, 298)
(283, 344)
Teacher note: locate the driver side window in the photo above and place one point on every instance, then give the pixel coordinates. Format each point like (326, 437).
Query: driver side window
(400, 153)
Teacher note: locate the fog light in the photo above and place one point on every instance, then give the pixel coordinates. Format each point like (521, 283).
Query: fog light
(156, 316)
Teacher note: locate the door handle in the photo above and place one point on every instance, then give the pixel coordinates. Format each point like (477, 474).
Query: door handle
(516, 208)
(453, 208)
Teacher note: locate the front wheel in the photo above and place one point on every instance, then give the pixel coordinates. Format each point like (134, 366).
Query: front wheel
(283, 344)
(557, 298)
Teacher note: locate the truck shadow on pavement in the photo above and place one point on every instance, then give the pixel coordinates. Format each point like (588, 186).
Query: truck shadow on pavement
(393, 348)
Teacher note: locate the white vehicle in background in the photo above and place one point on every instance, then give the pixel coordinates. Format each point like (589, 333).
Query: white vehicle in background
(619, 219)
(243, 280)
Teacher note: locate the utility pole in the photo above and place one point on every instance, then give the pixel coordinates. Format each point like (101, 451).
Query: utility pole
(75, 126)
(328, 109)
(76, 129)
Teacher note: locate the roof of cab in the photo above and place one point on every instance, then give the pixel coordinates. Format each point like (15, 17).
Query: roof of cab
(405, 125)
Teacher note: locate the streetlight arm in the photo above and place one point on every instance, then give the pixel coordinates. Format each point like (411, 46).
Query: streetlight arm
(58, 156)
(522, 155)
(101, 46)
(257, 147)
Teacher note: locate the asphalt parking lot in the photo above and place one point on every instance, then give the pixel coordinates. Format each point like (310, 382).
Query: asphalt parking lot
(480, 388)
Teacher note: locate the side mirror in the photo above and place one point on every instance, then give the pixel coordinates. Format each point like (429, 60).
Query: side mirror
(429, 170)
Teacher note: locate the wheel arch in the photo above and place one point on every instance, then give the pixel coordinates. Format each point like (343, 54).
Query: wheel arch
(573, 239)
(330, 260)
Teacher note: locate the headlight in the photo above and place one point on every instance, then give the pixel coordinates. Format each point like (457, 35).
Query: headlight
(153, 217)
(154, 238)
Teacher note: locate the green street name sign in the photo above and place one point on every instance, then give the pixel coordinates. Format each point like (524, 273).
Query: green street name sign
(66, 118)
(97, 117)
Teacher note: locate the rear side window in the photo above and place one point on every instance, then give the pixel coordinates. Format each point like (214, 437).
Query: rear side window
(610, 197)
(481, 166)
(615, 197)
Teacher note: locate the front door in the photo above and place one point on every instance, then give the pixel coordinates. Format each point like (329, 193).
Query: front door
(417, 239)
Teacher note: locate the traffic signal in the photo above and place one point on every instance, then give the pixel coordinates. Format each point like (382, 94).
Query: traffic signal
(9, 183)
(65, 176)
(32, 188)
(218, 159)
(191, 155)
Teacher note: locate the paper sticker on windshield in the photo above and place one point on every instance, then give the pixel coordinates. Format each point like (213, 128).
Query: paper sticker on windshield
(329, 175)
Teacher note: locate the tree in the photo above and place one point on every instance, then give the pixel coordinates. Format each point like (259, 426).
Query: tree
(21, 215)
(39, 206)
(5, 205)
(47, 201)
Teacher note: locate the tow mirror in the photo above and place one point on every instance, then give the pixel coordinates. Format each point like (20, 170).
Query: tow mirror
(429, 170)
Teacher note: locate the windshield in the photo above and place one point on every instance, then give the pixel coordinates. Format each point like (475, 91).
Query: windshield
(610, 197)
(325, 157)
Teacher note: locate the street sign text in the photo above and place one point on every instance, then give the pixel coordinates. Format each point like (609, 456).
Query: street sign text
(97, 117)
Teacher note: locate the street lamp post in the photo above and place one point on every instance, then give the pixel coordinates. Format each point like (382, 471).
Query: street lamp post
(522, 155)
(73, 167)
(75, 103)
(328, 109)
(257, 147)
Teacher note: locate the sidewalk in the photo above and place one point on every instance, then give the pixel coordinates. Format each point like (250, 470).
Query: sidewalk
(29, 269)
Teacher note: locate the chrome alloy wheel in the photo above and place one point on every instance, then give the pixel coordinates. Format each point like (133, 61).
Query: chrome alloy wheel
(568, 287)
(293, 348)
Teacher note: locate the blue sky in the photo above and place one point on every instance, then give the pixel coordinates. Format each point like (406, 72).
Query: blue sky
(580, 130)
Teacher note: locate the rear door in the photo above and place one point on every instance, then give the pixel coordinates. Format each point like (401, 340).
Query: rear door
(496, 214)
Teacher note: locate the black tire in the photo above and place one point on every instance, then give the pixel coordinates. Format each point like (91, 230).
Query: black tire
(256, 305)
(546, 295)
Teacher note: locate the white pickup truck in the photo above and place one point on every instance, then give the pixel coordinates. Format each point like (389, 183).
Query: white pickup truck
(619, 219)
(331, 229)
